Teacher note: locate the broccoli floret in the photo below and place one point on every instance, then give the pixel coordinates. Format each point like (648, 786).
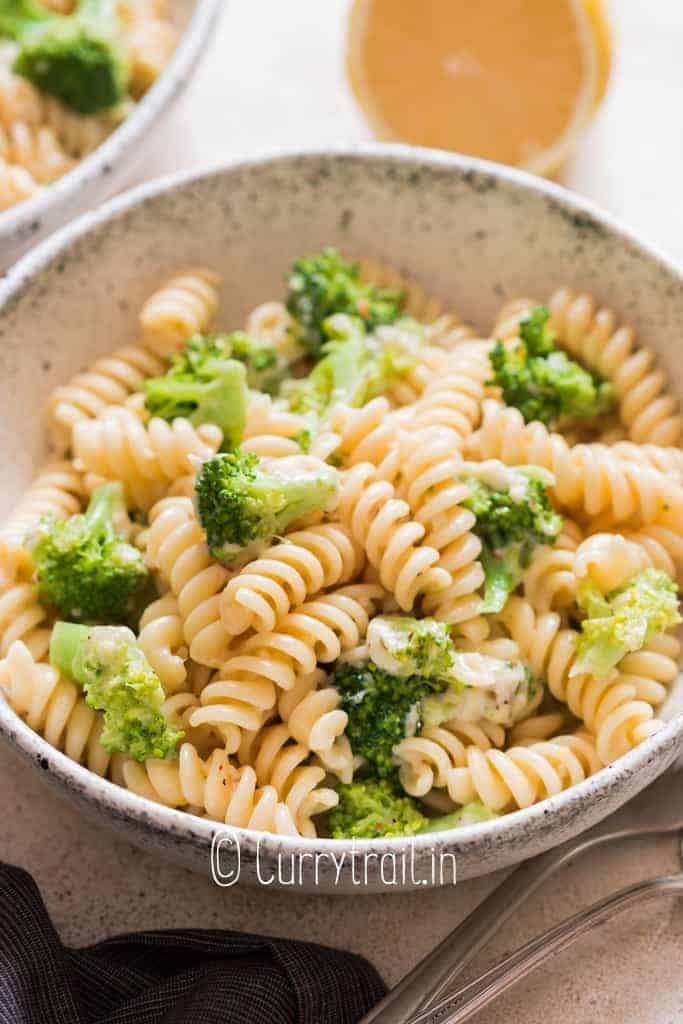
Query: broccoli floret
(471, 814)
(118, 680)
(513, 515)
(84, 565)
(324, 284)
(624, 620)
(355, 368)
(203, 354)
(338, 377)
(244, 501)
(542, 382)
(480, 686)
(404, 646)
(382, 709)
(80, 58)
(204, 385)
(372, 808)
(264, 365)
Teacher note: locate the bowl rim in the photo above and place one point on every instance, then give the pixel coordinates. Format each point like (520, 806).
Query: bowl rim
(169, 822)
(141, 119)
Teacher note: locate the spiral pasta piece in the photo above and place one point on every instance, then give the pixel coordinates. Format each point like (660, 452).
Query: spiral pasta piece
(22, 617)
(303, 563)
(541, 726)
(523, 775)
(590, 479)
(56, 490)
(593, 335)
(663, 543)
(369, 434)
(279, 761)
(312, 713)
(178, 709)
(614, 709)
(654, 669)
(452, 398)
(506, 325)
(425, 761)
(186, 304)
(665, 460)
(19, 100)
(609, 561)
(109, 381)
(313, 716)
(176, 546)
(162, 641)
(430, 467)
(53, 707)
(36, 149)
(427, 362)
(247, 684)
(271, 431)
(392, 540)
(77, 134)
(271, 324)
(550, 580)
(144, 458)
(212, 786)
(233, 705)
(151, 42)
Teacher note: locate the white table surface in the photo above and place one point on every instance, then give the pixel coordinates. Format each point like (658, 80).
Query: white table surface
(273, 80)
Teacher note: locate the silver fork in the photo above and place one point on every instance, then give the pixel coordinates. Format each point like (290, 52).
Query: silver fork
(655, 812)
(489, 985)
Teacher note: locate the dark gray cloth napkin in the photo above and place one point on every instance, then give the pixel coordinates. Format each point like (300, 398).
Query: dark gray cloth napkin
(169, 977)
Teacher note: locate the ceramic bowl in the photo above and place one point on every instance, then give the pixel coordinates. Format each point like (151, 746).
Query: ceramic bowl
(471, 232)
(108, 168)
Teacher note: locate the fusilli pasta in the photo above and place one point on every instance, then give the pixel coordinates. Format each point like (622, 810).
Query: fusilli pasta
(305, 562)
(616, 711)
(57, 490)
(175, 545)
(53, 706)
(145, 458)
(382, 523)
(425, 625)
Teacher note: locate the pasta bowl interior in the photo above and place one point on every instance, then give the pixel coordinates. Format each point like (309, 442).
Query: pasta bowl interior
(56, 162)
(519, 712)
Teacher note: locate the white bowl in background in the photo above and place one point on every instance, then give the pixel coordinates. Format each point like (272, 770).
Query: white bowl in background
(108, 168)
(471, 232)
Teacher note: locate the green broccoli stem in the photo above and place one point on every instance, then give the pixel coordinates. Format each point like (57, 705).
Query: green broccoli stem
(65, 643)
(301, 495)
(470, 814)
(103, 506)
(221, 400)
(17, 15)
(446, 821)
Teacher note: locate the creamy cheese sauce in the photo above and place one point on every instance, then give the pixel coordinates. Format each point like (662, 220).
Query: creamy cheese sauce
(499, 477)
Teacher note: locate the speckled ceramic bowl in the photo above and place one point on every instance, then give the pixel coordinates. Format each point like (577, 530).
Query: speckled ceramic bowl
(472, 233)
(108, 168)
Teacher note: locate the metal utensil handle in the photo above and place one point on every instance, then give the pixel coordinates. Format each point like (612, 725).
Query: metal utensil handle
(437, 971)
(483, 990)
